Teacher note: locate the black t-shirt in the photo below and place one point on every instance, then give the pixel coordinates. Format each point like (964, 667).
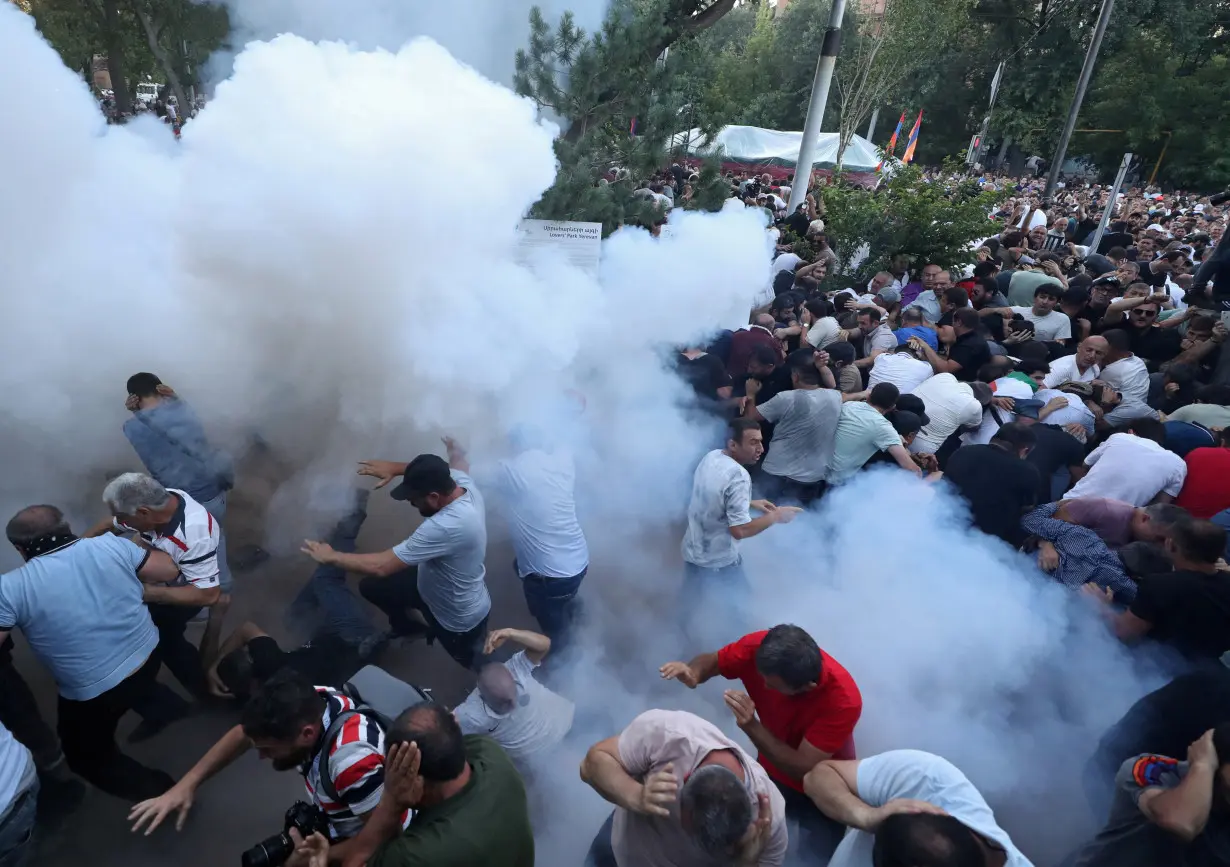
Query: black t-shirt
(1155, 344)
(1157, 281)
(998, 486)
(706, 374)
(327, 661)
(1188, 610)
(798, 223)
(1114, 239)
(971, 352)
(1055, 449)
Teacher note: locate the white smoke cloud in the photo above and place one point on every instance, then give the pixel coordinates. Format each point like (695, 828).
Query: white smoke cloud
(481, 33)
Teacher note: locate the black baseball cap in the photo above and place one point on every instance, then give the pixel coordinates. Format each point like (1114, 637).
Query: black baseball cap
(426, 474)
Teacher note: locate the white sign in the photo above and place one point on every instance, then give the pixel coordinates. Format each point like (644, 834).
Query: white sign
(580, 243)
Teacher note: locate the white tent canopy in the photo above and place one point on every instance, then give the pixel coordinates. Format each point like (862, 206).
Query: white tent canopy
(756, 146)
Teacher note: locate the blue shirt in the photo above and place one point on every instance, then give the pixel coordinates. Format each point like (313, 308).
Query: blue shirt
(927, 335)
(81, 610)
(170, 440)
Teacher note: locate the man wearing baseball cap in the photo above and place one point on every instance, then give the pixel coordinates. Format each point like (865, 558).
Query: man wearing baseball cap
(434, 582)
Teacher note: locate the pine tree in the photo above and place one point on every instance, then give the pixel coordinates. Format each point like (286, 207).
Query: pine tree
(613, 94)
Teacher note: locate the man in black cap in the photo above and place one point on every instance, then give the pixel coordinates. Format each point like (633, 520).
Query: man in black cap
(443, 592)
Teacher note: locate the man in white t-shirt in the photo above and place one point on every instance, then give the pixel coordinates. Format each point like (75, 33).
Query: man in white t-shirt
(1084, 366)
(719, 516)
(1050, 325)
(902, 367)
(537, 491)
(1124, 372)
(952, 405)
(806, 418)
(443, 594)
(512, 708)
(169, 520)
(908, 807)
(1133, 467)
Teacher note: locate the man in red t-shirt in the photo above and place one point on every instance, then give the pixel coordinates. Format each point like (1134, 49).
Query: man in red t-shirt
(1206, 490)
(800, 708)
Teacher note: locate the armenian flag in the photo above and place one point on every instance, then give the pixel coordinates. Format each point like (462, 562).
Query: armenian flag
(913, 143)
(892, 142)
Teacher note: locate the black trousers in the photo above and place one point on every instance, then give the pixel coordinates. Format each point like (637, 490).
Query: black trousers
(398, 593)
(87, 733)
(19, 714)
(161, 704)
(816, 837)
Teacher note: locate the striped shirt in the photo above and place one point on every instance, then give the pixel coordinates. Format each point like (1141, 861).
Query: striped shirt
(355, 765)
(191, 538)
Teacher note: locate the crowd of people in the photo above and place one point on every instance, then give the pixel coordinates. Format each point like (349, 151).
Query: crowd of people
(1074, 398)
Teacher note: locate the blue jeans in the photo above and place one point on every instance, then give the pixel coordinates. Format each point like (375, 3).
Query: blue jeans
(553, 603)
(17, 829)
(326, 604)
(714, 603)
(217, 508)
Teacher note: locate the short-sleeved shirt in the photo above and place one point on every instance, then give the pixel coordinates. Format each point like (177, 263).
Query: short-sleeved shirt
(901, 369)
(1128, 376)
(919, 776)
(997, 485)
(191, 539)
(487, 823)
(1132, 469)
(1211, 415)
(1188, 610)
(1206, 490)
(1054, 449)
(970, 350)
(1129, 839)
(721, 499)
(449, 549)
(928, 304)
(657, 738)
(1065, 369)
(1055, 325)
(881, 338)
(802, 445)
(1110, 519)
(951, 405)
(82, 610)
(355, 761)
(539, 492)
(861, 432)
(824, 716)
(536, 724)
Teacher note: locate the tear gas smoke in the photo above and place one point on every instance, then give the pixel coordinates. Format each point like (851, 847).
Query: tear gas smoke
(481, 33)
(327, 260)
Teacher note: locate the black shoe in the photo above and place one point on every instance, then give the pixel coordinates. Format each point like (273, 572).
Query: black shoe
(147, 729)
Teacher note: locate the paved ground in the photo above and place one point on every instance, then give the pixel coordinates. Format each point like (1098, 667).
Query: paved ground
(245, 803)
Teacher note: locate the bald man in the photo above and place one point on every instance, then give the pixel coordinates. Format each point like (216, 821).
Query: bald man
(1084, 366)
(511, 707)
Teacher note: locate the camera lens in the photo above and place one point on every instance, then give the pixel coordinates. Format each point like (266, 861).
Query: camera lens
(269, 853)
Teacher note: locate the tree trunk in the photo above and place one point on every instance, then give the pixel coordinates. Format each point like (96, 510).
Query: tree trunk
(115, 56)
(164, 60)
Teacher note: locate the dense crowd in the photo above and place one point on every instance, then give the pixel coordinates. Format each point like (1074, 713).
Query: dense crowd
(1074, 398)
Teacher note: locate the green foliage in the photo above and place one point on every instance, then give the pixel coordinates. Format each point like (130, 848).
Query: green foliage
(595, 85)
(931, 222)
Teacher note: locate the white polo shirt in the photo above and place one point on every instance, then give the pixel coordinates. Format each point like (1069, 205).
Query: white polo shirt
(1132, 469)
(1065, 370)
(191, 538)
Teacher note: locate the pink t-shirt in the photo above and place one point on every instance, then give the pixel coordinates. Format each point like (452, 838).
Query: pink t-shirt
(1110, 519)
(650, 742)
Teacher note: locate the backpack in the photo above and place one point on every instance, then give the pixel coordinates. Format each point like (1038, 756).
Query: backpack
(376, 694)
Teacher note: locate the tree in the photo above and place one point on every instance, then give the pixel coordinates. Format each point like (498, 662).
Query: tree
(614, 97)
(931, 222)
(888, 48)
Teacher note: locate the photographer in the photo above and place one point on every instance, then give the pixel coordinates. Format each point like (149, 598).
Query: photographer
(291, 723)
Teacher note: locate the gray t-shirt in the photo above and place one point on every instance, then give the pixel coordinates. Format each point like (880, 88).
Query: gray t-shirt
(449, 549)
(721, 499)
(538, 722)
(802, 443)
(1129, 839)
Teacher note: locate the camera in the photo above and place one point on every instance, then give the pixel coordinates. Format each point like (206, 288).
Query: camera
(304, 818)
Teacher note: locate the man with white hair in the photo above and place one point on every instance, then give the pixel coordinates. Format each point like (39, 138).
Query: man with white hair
(169, 520)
